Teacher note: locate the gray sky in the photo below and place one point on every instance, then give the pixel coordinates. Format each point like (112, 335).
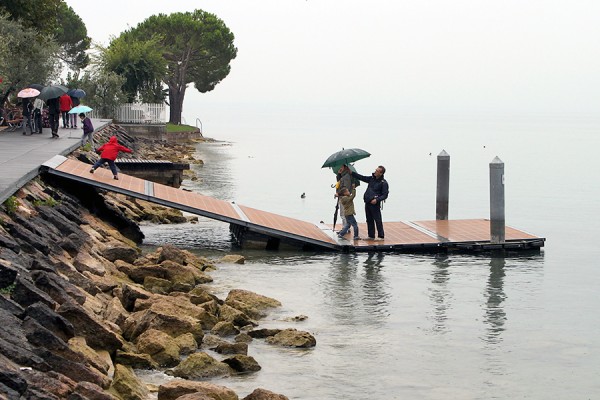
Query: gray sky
(434, 55)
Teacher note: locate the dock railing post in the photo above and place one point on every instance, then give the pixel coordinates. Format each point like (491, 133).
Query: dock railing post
(443, 186)
(497, 219)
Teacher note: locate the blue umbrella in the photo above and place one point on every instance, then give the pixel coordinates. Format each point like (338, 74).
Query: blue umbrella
(80, 109)
(79, 93)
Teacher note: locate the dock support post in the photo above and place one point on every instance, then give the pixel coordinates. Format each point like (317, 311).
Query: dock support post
(497, 219)
(443, 186)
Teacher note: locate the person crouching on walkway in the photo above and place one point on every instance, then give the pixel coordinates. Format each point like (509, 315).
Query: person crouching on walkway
(377, 191)
(347, 200)
(88, 130)
(109, 152)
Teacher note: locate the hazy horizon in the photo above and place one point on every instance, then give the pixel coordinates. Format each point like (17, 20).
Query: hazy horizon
(435, 56)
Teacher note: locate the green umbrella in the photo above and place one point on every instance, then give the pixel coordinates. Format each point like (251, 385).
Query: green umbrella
(52, 92)
(345, 156)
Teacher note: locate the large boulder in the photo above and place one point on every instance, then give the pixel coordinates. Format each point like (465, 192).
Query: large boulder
(232, 348)
(136, 360)
(119, 251)
(58, 288)
(242, 363)
(293, 338)
(236, 317)
(158, 285)
(89, 391)
(263, 394)
(48, 318)
(160, 346)
(86, 262)
(127, 385)
(176, 388)
(187, 343)
(26, 293)
(174, 325)
(87, 325)
(177, 306)
(252, 299)
(78, 345)
(200, 366)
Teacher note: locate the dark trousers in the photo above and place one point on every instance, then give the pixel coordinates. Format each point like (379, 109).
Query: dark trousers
(65, 118)
(111, 165)
(37, 121)
(27, 121)
(54, 121)
(373, 213)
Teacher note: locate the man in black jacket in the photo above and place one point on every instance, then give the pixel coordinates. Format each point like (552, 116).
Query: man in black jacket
(53, 115)
(377, 191)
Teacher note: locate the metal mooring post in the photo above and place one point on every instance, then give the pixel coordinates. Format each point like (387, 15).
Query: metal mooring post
(497, 221)
(443, 186)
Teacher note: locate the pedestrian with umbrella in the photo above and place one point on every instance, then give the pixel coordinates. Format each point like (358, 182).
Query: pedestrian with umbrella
(88, 130)
(26, 94)
(50, 95)
(337, 161)
(54, 115)
(65, 106)
(38, 106)
(76, 95)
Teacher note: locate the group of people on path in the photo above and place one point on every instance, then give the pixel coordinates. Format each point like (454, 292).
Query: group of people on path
(375, 194)
(32, 114)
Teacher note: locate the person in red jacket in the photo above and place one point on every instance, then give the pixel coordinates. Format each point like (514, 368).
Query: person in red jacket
(108, 154)
(65, 106)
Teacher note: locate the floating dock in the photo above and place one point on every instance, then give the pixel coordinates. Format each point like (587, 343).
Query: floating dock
(251, 225)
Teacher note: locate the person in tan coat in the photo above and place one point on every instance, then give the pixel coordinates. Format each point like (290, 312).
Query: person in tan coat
(347, 201)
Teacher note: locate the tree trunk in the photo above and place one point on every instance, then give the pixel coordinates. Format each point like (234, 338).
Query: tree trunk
(176, 96)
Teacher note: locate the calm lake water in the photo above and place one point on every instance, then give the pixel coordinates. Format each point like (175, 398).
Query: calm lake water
(394, 326)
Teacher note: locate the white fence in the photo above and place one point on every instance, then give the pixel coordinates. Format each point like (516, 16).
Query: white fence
(138, 113)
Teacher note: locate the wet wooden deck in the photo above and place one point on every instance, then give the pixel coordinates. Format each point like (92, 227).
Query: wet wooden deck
(409, 236)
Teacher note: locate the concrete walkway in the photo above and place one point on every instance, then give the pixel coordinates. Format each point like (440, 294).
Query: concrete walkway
(21, 156)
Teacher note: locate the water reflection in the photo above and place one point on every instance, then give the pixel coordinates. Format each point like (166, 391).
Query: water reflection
(357, 296)
(439, 294)
(376, 295)
(495, 316)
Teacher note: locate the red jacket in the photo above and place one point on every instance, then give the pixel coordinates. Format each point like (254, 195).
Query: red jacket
(110, 150)
(65, 102)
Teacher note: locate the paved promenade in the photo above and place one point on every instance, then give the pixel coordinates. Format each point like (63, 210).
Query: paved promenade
(21, 156)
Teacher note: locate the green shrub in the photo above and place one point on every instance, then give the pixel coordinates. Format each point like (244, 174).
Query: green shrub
(8, 290)
(11, 204)
(50, 202)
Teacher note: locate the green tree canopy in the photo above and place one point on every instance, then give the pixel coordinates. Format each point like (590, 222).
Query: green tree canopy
(103, 90)
(56, 19)
(141, 63)
(29, 57)
(197, 47)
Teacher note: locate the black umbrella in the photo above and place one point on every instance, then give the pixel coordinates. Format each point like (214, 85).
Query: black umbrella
(52, 92)
(36, 86)
(335, 213)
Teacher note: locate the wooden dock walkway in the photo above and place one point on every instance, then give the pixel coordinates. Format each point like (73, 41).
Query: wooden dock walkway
(247, 223)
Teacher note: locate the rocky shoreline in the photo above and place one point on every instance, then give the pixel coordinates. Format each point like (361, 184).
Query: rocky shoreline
(83, 309)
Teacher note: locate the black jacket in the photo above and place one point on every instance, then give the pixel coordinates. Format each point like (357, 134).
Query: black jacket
(53, 106)
(377, 189)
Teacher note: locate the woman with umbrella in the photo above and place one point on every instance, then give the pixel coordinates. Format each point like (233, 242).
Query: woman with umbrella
(27, 109)
(26, 94)
(76, 95)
